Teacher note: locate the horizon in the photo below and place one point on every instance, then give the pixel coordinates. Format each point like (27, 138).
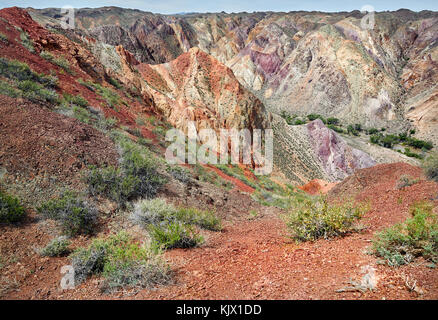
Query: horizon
(173, 7)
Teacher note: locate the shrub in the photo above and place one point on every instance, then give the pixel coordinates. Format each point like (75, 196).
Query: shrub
(34, 91)
(412, 154)
(179, 173)
(4, 38)
(26, 41)
(333, 121)
(75, 215)
(46, 55)
(299, 122)
(419, 144)
(76, 100)
(417, 236)
(174, 234)
(61, 61)
(375, 138)
(352, 130)
(156, 211)
(389, 140)
(136, 177)
(58, 247)
(314, 116)
(122, 261)
(10, 209)
(112, 98)
(373, 131)
(27, 83)
(430, 167)
(335, 128)
(114, 83)
(314, 219)
(406, 181)
(8, 90)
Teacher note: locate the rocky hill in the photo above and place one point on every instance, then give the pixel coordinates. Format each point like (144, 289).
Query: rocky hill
(84, 180)
(299, 62)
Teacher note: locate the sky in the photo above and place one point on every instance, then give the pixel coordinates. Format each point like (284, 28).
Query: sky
(178, 6)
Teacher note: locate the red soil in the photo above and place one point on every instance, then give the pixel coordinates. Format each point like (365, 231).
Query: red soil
(253, 259)
(239, 185)
(317, 186)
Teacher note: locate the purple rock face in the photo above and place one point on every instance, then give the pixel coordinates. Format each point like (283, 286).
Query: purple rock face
(338, 159)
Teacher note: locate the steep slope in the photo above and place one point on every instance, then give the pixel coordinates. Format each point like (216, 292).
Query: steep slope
(313, 151)
(301, 62)
(197, 87)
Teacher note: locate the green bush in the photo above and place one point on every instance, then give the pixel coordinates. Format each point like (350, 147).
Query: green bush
(314, 219)
(156, 211)
(335, 128)
(122, 261)
(411, 154)
(46, 55)
(333, 121)
(352, 130)
(75, 99)
(406, 181)
(114, 83)
(299, 122)
(111, 97)
(60, 61)
(34, 91)
(419, 144)
(26, 41)
(314, 116)
(179, 173)
(27, 83)
(417, 236)
(8, 90)
(136, 177)
(373, 131)
(10, 209)
(75, 215)
(174, 234)
(430, 167)
(3, 38)
(58, 247)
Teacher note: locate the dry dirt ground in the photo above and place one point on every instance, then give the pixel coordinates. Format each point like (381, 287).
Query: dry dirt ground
(252, 258)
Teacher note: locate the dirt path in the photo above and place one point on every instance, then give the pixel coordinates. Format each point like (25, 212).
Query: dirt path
(252, 258)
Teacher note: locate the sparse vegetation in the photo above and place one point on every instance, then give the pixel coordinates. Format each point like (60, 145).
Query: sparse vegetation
(178, 173)
(58, 247)
(10, 209)
(111, 97)
(173, 227)
(136, 177)
(311, 219)
(175, 234)
(122, 261)
(430, 167)
(156, 211)
(60, 61)
(75, 215)
(26, 41)
(406, 181)
(4, 38)
(209, 176)
(417, 236)
(27, 83)
(390, 140)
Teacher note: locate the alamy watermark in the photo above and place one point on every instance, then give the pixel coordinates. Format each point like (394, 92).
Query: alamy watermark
(68, 17)
(367, 22)
(231, 147)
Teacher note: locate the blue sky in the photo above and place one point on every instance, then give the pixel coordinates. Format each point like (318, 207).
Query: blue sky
(175, 6)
